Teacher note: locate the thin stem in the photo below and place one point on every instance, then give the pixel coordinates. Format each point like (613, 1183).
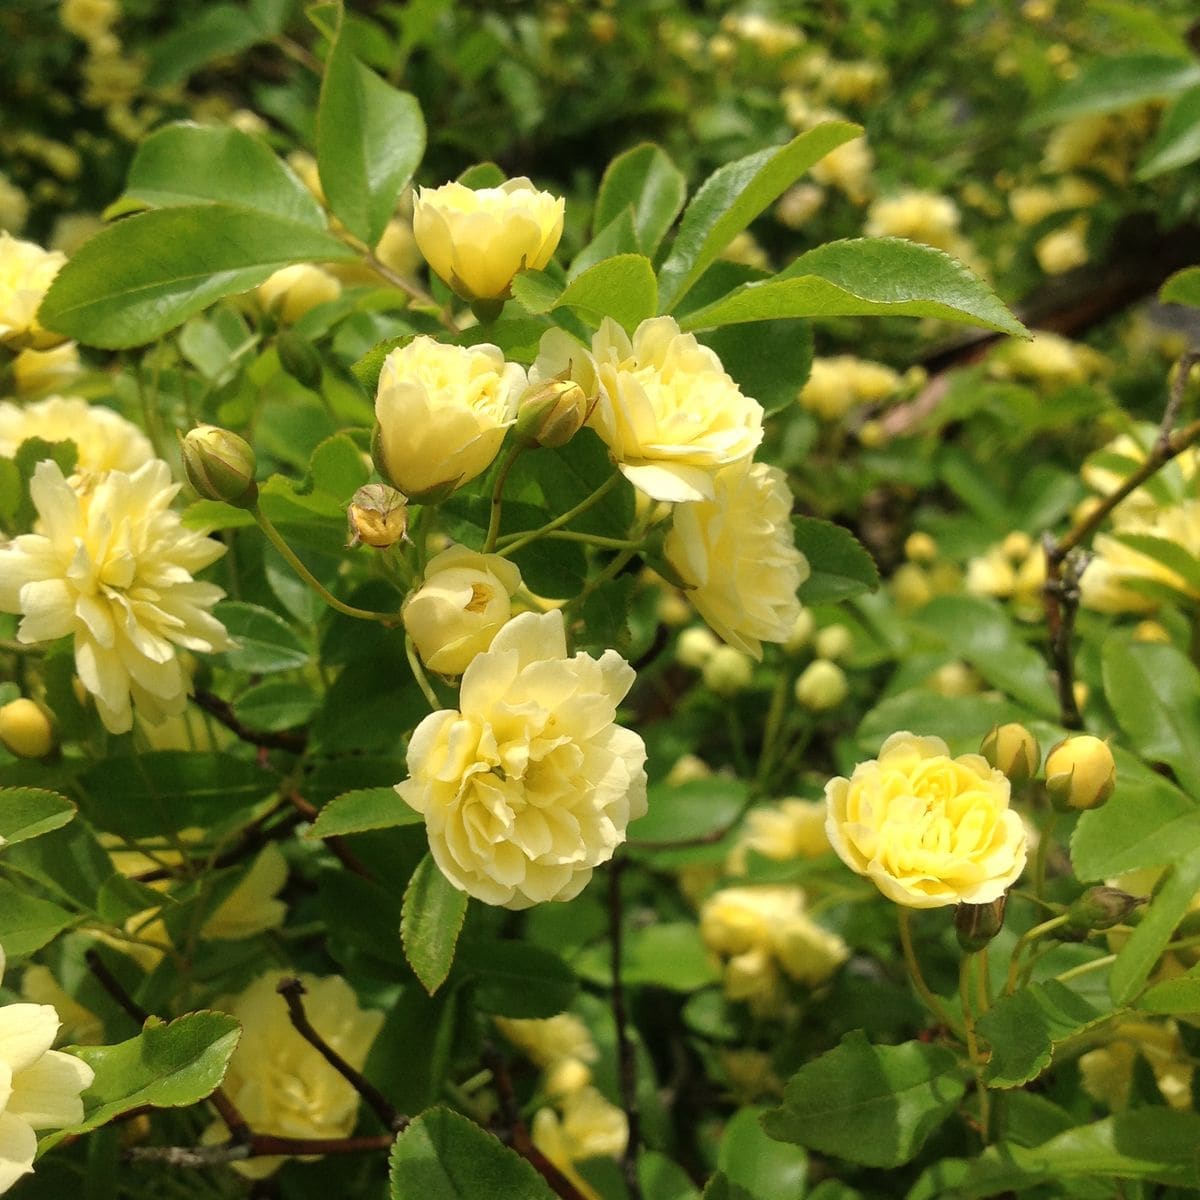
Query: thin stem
(766, 756)
(915, 974)
(1043, 850)
(1086, 968)
(113, 986)
(593, 539)
(412, 290)
(1023, 942)
(419, 675)
(222, 710)
(964, 994)
(493, 531)
(518, 541)
(257, 1146)
(626, 1061)
(983, 980)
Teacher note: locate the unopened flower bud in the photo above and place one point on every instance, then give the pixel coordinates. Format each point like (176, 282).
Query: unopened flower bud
(1080, 773)
(552, 413)
(728, 671)
(26, 729)
(920, 548)
(220, 465)
(976, 924)
(299, 358)
(377, 516)
(802, 631)
(1014, 750)
(695, 647)
(833, 642)
(1101, 908)
(1017, 545)
(1151, 631)
(821, 686)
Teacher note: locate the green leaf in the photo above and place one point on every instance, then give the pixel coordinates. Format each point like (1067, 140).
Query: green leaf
(670, 955)
(1171, 554)
(265, 641)
(185, 163)
(1154, 692)
(647, 183)
(275, 704)
(662, 1179)
(692, 810)
(767, 1168)
(168, 1065)
(361, 810)
(623, 288)
(569, 475)
(434, 911)
(143, 276)
(535, 291)
(617, 237)
(877, 277)
(840, 565)
(733, 196)
(28, 922)
(1179, 995)
(515, 979)
(444, 1156)
(769, 360)
(1171, 901)
(1182, 288)
(370, 139)
(338, 468)
(873, 1105)
(215, 31)
(1110, 84)
(1177, 142)
(1022, 1030)
(29, 812)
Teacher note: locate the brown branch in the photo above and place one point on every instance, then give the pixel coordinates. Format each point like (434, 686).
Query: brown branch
(626, 1061)
(291, 990)
(113, 986)
(258, 1145)
(293, 741)
(337, 845)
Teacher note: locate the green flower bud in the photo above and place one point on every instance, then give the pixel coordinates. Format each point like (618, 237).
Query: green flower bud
(977, 924)
(377, 516)
(552, 413)
(1013, 750)
(299, 358)
(727, 671)
(833, 642)
(220, 465)
(821, 686)
(1080, 773)
(1101, 908)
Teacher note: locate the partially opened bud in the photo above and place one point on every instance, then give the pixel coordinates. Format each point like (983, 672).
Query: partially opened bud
(1101, 908)
(1080, 773)
(1014, 750)
(552, 413)
(220, 465)
(377, 516)
(26, 729)
(976, 924)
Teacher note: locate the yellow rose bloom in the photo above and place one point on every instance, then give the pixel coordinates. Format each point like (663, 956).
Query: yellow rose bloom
(44, 370)
(927, 829)
(666, 409)
(26, 272)
(443, 412)
(530, 785)
(113, 569)
(477, 240)
(1104, 585)
(104, 440)
(736, 554)
(1107, 1072)
(792, 828)
(920, 216)
(590, 1126)
(835, 385)
(561, 1045)
(296, 290)
(462, 603)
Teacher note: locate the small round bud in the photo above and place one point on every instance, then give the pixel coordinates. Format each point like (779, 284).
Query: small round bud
(1017, 545)
(821, 686)
(1151, 631)
(976, 924)
(688, 768)
(833, 642)
(695, 647)
(26, 729)
(801, 633)
(377, 516)
(220, 465)
(552, 413)
(673, 609)
(911, 586)
(299, 358)
(920, 548)
(1101, 908)
(1014, 750)
(955, 679)
(728, 671)
(1080, 773)
(871, 435)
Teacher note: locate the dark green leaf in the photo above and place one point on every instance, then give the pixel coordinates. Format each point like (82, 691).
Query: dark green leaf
(617, 237)
(361, 810)
(1177, 142)
(569, 475)
(1111, 83)
(215, 31)
(769, 360)
(840, 565)
(662, 1179)
(669, 956)
(434, 911)
(275, 704)
(265, 642)
(29, 812)
(515, 979)
(645, 182)
(27, 922)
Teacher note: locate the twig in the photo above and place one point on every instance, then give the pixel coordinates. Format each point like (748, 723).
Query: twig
(259, 1145)
(291, 740)
(337, 845)
(291, 990)
(626, 1061)
(113, 986)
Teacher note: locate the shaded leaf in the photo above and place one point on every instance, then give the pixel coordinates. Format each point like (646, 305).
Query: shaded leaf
(29, 812)
(839, 563)
(28, 922)
(1114, 82)
(433, 915)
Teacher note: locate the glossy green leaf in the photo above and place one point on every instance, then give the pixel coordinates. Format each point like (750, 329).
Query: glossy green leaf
(434, 911)
(838, 562)
(1023, 1029)
(1179, 995)
(185, 163)
(444, 1156)
(864, 277)
(645, 182)
(873, 1105)
(28, 922)
(1182, 288)
(733, 196)
(765, 1167)
(361, 810)
(275, 704)
(570, 474)
(515, 979)
(370, 139)
(136, 280)
(1177, 142)
(265, 642)
(1154, 691)
(1171, 901)
(623, 288)
(1114, 82)
(692, 810)
(617, 237)
(29, 812)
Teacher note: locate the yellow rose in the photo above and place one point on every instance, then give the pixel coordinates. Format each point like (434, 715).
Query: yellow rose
(1107, 1072)
(104, 440)
(26, 272)
(562, 1046)
(462, 604)
(927, 829)
(589, 1127)
(476, 241)
(920, 216)
(668, 412)
(297, 290)
(531, 784)
(1064, 249)
(442, 413)
(44, 370)
(792, 828)
(1105, 585)
(822, 685)
(736, 554)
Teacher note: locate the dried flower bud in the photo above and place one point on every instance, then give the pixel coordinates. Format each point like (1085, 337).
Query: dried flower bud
(220, 465)
(552, 413)
(1014, 750)
(377, 516)
(26, 729)
(1080, 773)
(1101, 908)
(977, 924)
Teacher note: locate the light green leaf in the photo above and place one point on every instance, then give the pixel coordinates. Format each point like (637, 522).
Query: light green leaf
(647, 183)
(28, 922)
(275, 704)
(361, 810)
(168, 1065)
(732, 197)
(444, 1156)
(370, 139)
(839, 563)
(864, 277)
(623, 288)
(873, 1105)
(185, 163)
(148, 273)
(768, 1169)
(1171, 901)
(662, 1179)
(670, 955)
(265, 641)
(617, 237)
(1179, 995)
(1023, 1029)
(693, 810)
(434, 911)
(29, 812)
(1154, 692)
(1110, 84)
(1182, 288)
(1171, 554)
(339, 468)
(1177, 141)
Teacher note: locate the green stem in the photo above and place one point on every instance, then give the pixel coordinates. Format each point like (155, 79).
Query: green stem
(419, 675)
(518, 541)
(293, 561)
(506, 466)
(593, 539)
(915, 974)
(1023, 942)
(1043, 849)
(766, 757)
(964, 994)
